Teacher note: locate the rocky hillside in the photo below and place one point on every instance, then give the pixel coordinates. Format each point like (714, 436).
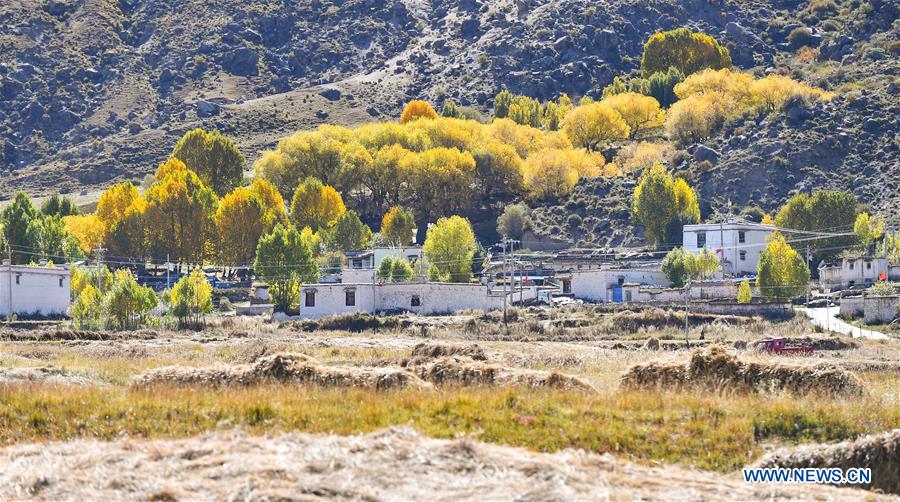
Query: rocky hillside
(97, 91)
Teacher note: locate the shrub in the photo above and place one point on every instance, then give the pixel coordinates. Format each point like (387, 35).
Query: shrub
(800, 36)
(683, 49)
(417, 109)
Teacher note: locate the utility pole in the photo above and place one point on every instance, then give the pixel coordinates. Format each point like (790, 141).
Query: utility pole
(807, 283)
(687, 299)
(9, 279)
(504, 280)
(99, 253)
(168, 268)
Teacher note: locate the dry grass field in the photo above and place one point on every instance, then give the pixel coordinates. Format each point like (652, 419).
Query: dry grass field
(549, 382)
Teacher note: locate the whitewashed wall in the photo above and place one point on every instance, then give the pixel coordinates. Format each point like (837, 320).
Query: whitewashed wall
(331, 300)
(41, 290)
(437, 297)
(595, 285)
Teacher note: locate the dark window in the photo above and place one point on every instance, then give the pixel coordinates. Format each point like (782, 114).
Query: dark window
(701, 239)
(743, 256)
(18, 278)
(415, 301)
(868, 266)
(851, 265)
(741, 237)
(567, 286)
(350, 297)
(310, 299)
(60, 282)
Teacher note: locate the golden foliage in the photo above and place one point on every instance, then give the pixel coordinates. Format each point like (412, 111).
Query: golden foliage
(316, 205)
(114, 202)
(639, 156)
(417, 109)
(552, 173)
(88, 231)
(639, 112)
(180, 210)
(593, 125)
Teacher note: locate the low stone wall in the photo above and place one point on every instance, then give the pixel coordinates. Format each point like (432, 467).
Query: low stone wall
(261, 309)
(880, 309)
(852, 306)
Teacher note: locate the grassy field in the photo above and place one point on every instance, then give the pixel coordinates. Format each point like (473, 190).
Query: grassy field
(708, 430)
(720, 433)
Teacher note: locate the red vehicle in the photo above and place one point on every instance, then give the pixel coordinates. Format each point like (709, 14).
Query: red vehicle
(780, 346)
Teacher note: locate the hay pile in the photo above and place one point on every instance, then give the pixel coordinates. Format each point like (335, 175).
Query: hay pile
(282, 368)
(424, 353)
(879, 452)
(462, 372)
(51, 375)
(393, 464)
(717, 369)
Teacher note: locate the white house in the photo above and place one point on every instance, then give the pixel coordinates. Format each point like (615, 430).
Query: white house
(361, 265)
(34, 290)
(606, 283)
(862, 271)
(320, 300)
(737, 243)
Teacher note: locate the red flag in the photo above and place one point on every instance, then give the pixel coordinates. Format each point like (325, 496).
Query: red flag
(883, 276)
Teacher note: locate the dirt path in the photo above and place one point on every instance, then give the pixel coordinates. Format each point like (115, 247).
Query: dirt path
(395, 464)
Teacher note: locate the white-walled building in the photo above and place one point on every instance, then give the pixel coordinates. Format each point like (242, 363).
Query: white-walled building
(606, 283)
(737, 243)
(862, 271)
(34, 290)
(321, 300)
(361, 265)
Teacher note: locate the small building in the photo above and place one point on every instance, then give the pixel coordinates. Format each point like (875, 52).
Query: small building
(34, 290)
(321, 300)
(607, 284)
(361, 265)
(737, 243)
(861, 271)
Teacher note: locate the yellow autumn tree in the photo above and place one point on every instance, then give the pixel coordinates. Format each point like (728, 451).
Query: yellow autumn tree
(271, 201)
(180, 210)
(316, 205)
(397, 226)
(593, 125)
(639, 112)
(240, 221)
(552, 173)
(87, 230)
(417, 109)
(127, 235)
(114, 202)
(441, 179)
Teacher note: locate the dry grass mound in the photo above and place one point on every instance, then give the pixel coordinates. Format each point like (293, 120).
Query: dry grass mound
(424, 352)
(393, 464)
(879, 452)
(460, 372)
(44, 375)
(716, 368)
(296, 369)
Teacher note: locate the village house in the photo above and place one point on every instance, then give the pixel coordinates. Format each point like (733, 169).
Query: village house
(361, 265)
(608, 283)
(34, 290)
(321, 300)
(737, 243)
(861, 271)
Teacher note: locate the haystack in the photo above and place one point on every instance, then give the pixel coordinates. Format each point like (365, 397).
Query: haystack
(424, 353)
(283, 368)
(457, 371)
(716, 368)
(879, 452)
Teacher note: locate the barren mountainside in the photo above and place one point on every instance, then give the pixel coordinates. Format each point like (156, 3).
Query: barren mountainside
(97, 91)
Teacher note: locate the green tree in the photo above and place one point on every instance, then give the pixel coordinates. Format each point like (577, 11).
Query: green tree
(47, 235)
(744, 293)
(514, 220)
(87, 307)
(781, 272)
(502, 102)
(58, 206)
(824, 212)
(397, 226)
(675, 268)
(654, 204)
(394, 270)
(191, 299)
(127, 302)
(661, 86)
(687, 51)
(702, 265)
(450, 109)
(285, 261)
(616, 87)
(450, 247)
(214, 157)
(349, 233)
(15, 220)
